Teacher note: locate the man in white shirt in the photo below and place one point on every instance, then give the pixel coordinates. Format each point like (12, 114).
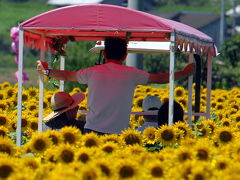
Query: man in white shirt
(111, 86)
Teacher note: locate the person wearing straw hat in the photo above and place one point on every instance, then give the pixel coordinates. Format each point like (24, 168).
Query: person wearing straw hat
(64, 113)
(111, 86)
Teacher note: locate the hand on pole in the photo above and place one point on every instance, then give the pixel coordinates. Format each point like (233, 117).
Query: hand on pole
(42, 66)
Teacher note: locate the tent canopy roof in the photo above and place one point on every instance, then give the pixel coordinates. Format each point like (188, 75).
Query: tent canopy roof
(97, 21)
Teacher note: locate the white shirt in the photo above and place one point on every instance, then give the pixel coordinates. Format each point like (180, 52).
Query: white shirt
(110, 93)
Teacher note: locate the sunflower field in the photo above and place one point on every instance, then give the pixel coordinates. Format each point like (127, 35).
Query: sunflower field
(208, 150)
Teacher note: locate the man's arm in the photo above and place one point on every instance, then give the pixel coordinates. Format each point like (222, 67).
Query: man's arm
(42, 67)
(163, 78)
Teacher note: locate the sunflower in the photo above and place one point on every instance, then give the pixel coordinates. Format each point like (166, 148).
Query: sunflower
(2, 95)
(183, 101)
(33, 92)
(10, 92)
(179, 92)
(226, 122)
(221, 162)
(54, 136)
(7, 167)
(202, 151)
(39, 143)
(105, 167)
(237, 117)
(90, 172)
(223, 135)
(183, 127)
(131, 137)
(166, 135)
(31, 162)
(33, 124)
(138, 101)
(4, 132)
(84, 155)
(91, 140)
(127, 169)
(154, 170)
(183, 154)
(3, 120)
(109, 147)
(50, 155)
(65, 153)
(6, 146)
(149, 136)
(199, 172)
(31, 105)
(25, 121)
(219, 106)
(25, 96)
(4, 105)
(135, 149)
(70, 134)
(201, 129)
(110, 138)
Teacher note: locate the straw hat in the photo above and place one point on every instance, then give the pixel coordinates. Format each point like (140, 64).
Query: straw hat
(62, 102)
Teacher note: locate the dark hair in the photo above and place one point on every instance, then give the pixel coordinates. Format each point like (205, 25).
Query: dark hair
(115, 48)
(163, 113)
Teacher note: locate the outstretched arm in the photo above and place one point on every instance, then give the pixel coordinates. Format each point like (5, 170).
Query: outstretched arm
(163, 78)
(42, 68)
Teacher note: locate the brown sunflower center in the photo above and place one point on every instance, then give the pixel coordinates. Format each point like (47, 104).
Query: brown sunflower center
(34, 126)
(225, 136)
(105, 169)
(198, 177)
(183, 156)
(90, 143)
(54, 139)
(5, 171)
(179, 93)
(126, 171)
(24, 122)
(40, 145)
(222, 165)
(84, 157)
(5, 149)
(2, 133)
(151, 136)
(108, 149)
(132, 139)
(157, 172)
(67, 156)
(3, 121)
(202, 154)
(167, 135)
(69, 138)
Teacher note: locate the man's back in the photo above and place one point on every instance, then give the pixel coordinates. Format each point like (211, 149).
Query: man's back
(110, 92)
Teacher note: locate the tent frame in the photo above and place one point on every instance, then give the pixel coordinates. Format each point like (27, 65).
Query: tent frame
(62, 67)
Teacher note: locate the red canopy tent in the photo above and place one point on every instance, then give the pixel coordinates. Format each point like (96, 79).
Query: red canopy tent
(95, 22)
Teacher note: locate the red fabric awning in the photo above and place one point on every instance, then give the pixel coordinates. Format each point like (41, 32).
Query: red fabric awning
(95, 22)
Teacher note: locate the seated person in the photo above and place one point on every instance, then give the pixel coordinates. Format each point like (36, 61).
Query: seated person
(178, 113)
(150, 103)
(65, 108)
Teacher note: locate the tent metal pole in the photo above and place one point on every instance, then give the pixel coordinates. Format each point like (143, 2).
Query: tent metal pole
(171, 79)
(198, 85)
(190, 81)
(20, 81)
(62, 67)
(41, 87)
(209, 84)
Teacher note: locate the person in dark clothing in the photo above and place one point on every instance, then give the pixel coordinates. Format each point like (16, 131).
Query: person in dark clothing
(178, 113)
(65, 108)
